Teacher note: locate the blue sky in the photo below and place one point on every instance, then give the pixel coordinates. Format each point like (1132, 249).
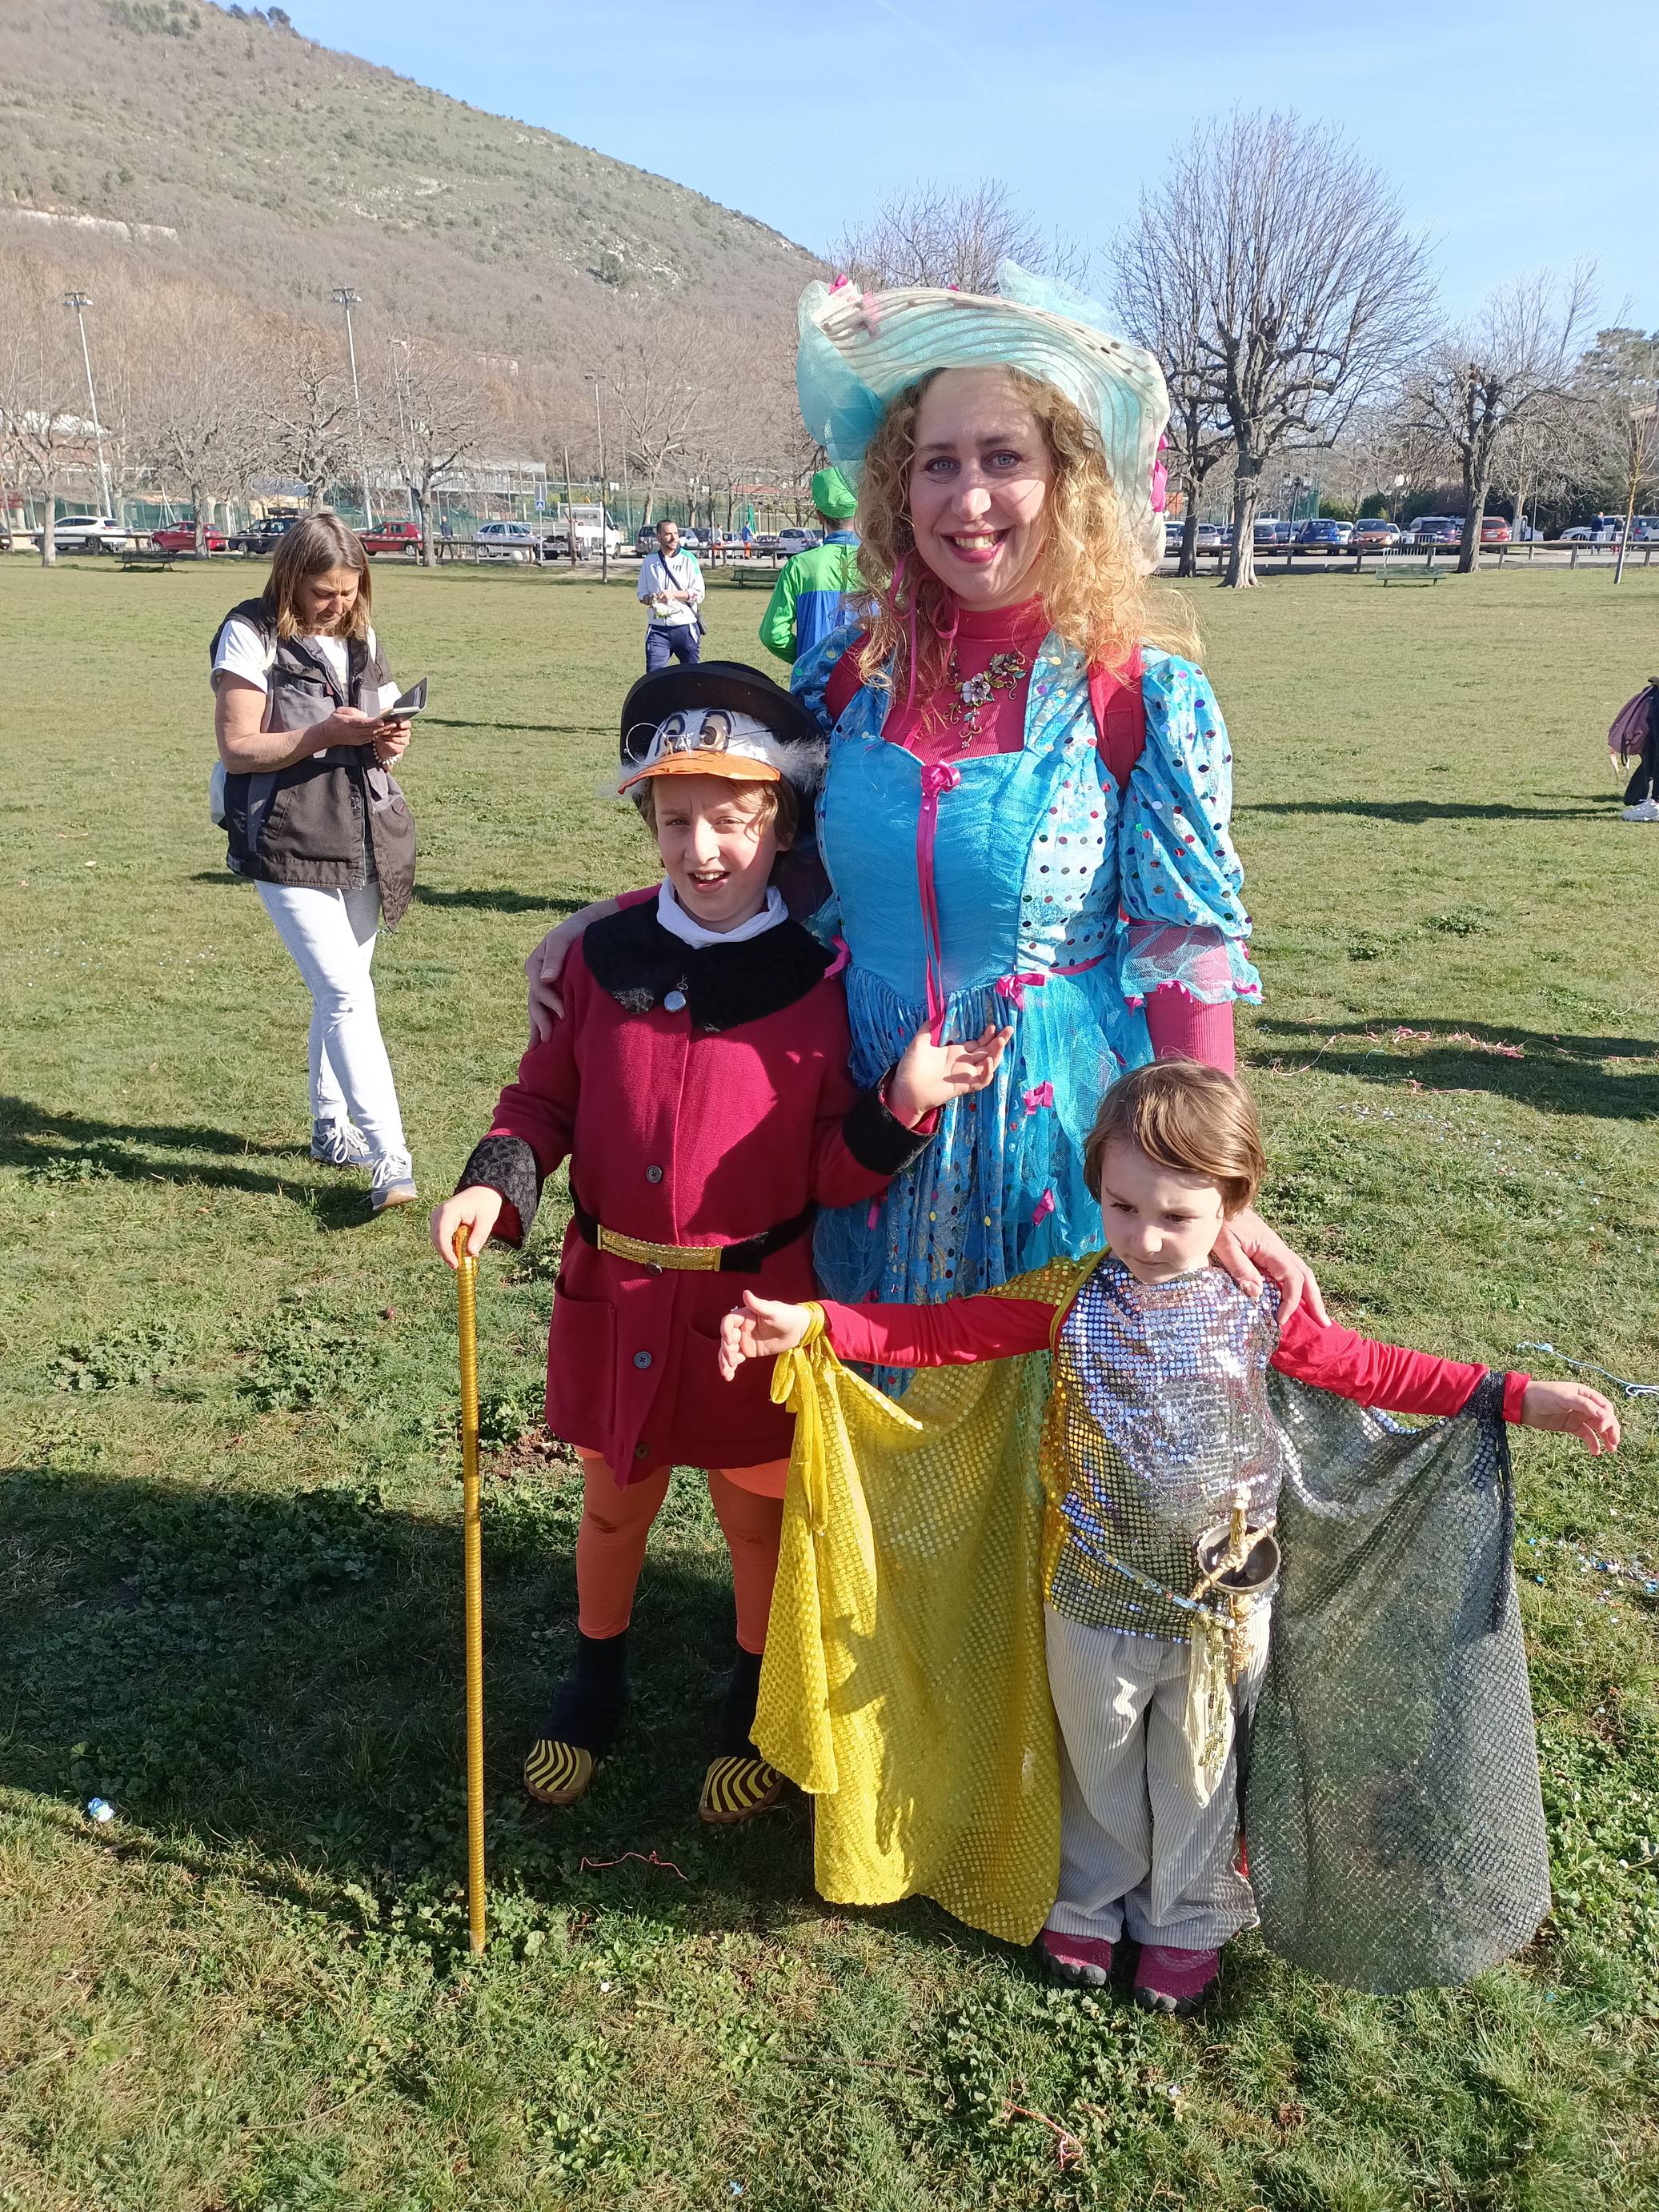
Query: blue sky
(1499, 123)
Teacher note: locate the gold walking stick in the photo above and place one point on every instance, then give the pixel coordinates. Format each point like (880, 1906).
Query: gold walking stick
(467, 1273)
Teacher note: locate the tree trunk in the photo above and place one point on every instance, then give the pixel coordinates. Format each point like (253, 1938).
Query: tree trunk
(1186, 565)
(1241, 557)
(422, 500)
(197, 502)
(1624, 535)
(1477, 470)
(49, 531)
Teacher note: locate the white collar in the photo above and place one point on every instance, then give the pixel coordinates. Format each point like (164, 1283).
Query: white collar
(678, 923)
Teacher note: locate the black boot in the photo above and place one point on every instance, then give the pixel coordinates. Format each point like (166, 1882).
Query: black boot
(739, 1783)
(581, 1722)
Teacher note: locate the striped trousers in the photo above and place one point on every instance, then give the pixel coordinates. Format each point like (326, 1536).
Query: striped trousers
(1138, 1853)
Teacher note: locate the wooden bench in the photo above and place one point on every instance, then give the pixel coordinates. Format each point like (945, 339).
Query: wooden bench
(147, 556)
(765, 571)
(1422, 575)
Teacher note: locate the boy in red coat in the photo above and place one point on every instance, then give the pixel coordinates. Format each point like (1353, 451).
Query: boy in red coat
(699, 1087)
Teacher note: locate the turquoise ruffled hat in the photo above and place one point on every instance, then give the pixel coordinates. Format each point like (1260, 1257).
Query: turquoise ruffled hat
(858, 350)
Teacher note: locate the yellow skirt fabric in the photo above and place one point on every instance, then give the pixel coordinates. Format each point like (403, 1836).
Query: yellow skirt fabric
(904, 1684)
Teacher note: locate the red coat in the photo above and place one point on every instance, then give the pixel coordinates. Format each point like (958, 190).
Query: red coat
(682, 1133)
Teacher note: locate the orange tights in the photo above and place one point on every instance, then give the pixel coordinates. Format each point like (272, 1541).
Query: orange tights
(611, 1543)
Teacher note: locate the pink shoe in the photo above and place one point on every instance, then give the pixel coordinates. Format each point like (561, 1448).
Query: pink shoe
(1085, 1959)
(1169, 1980)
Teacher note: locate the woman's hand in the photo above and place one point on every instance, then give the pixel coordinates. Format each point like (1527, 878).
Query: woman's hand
(390, 742)
(1246, 1249)
(1572, 1410)
(759, 1328)
(546, 964)
(480, 1209)
(931, 1075)
(346, 726)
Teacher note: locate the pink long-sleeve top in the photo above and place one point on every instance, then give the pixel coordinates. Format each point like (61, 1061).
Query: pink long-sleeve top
(963, 1330)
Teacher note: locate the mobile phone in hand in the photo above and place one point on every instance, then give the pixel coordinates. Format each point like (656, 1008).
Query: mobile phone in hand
(412, 703)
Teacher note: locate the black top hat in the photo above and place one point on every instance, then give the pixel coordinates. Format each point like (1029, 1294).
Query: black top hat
(730, 684)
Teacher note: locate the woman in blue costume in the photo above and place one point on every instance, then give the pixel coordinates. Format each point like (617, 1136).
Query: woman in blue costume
(1024, 813)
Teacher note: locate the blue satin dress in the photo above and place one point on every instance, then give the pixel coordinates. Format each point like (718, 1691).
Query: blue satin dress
(1022, 889)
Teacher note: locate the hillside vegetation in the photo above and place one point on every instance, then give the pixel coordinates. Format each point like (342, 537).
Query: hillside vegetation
(285, 168)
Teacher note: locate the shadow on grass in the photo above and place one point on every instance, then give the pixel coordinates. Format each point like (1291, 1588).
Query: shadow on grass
(1596, 1076)
(283, 1675)
(74, 1148)
(1413, 811)
(500, 901)
(523, 729)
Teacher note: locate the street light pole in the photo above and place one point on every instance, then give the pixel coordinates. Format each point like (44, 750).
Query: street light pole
(344, 296)
(81, 302)
(605, 534)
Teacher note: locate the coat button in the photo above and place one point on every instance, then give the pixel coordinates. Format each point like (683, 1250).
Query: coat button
(641, 1359)
(639, 1450)
(674, 1001)
(654, 1175)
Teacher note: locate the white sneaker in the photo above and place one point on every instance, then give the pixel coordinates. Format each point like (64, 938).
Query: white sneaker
(393, 1183)
(1647, 809)
(339, 1145)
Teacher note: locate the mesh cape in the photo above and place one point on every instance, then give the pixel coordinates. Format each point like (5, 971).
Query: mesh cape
(1390, 1778)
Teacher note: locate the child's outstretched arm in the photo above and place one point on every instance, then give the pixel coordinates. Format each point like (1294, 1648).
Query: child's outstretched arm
(1572, 1409)
(956, 1334)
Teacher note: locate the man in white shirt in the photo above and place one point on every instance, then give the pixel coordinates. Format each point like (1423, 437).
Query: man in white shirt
(671, 585)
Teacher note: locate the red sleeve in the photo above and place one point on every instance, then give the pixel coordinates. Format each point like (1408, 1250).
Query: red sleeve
(1383, 1375)
(858, 1145)
(955, 1334)
(637, 899)
(540, 1108)
(843, 685)
(1184, 1028)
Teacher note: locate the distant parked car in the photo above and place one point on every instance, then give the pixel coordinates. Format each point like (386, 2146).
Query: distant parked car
(1172, 530)
(1374, 535)
(1270, 531)
(797, 541)
(1435, 530)
(1209, 537)
(766, 542)
(1320, 535)
(267, 534)
(508, 541)
(646, 541)
(1644, 529)
(402, 536)
(180, 537)
(1600, 530)
(88, 533)
(1494, 531)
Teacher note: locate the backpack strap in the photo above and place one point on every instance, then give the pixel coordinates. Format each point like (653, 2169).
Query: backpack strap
(1119, 712)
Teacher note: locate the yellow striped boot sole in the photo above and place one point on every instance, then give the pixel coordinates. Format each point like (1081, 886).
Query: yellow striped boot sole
(736, 1788)
(557, 1773)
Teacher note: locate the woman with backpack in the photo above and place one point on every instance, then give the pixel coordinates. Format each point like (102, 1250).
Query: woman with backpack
(313, 815)
(1024, 810)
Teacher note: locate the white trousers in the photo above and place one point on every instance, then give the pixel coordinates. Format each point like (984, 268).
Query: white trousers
(330, 936)
(1138, 1849)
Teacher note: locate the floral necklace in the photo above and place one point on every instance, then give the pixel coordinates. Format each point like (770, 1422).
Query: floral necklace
(974, 694)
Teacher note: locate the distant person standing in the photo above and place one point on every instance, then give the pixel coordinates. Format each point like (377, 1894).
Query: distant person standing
(671, 585)
(815, 593)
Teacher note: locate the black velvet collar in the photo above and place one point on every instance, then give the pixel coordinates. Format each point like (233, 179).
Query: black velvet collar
(634, 958)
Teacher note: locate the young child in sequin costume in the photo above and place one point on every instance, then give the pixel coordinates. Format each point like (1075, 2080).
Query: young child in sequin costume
(1160, 1442)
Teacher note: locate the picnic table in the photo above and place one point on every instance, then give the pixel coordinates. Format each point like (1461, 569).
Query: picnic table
(146, 555)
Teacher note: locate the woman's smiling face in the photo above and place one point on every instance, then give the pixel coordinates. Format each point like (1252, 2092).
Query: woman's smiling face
(979, 486)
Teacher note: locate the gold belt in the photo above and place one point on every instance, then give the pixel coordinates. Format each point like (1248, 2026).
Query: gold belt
(697, 1259)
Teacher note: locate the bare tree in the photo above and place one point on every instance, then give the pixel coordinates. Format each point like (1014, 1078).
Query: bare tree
(1484, 382)
(1618, 378)
(203, 422)
(944, 235)
(437, 410)
(1310, 290)
(312, 423)
(1165, 310)
(44, 434)
(658, 369)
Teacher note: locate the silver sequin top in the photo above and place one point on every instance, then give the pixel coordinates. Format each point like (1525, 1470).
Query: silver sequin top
(1164, 1425)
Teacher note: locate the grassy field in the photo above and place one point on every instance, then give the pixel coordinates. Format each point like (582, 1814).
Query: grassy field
(229, 1557)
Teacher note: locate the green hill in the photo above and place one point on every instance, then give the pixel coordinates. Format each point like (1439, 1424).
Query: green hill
(281, 168)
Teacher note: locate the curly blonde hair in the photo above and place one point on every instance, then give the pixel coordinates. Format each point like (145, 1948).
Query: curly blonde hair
(1093, 594)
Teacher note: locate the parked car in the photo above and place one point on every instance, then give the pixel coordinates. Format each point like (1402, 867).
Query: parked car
(1320, 535)
(180, 537)
(1644, 529)
(1375, 535)
(1494, 531)
(766, 543)
(88, 533)
(1270, 531)
(402, 536)
(1171, 536)
(508, 541)
(797, 541)
(1435, 530)
(1209, 537)
(265, 535)
(1600, 530)
(646, 541)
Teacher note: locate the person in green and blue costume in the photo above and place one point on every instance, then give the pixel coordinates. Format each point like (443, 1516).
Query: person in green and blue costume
(815, 593)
